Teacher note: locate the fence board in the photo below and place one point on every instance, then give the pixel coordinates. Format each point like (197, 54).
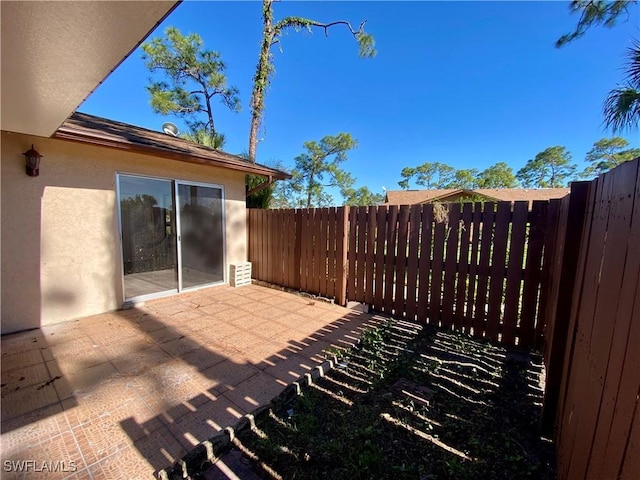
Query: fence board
(280, 253)
(450, 265)
(320, 257)
(552, 232)
(257, 258)
(463, 266)
(361, 229)
(498, 269)
(306, 270)
(437, 267)
(390, 258)
(532, 276)
(297, 271)
(331, 252)
(473, 268)
(412, 261)
(381, 222)
(341, 254)
(401, 261)
(352, 252)
(424, 263)
(514, 272)
(486, 240)
(251, 237)
(370, 258)
(269, 246)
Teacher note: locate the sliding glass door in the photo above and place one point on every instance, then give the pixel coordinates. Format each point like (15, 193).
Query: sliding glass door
(201, 242)
(167, 249)
(147, 219)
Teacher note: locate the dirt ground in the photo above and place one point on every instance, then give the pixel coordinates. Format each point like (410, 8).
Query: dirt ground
(411, 403)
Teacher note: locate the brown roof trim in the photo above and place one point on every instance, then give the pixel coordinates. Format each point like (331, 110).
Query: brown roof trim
(89, 129)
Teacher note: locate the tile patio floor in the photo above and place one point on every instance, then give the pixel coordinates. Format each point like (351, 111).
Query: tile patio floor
(124, 394)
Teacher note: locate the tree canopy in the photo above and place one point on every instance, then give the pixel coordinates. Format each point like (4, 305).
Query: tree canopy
(593, 13)
(621, 109)
(434, 175)
(622, 105)
(362, 197)
(271, 33)
(438, 175)
(606, 154)
(191, 78)
(319, 168)
(499, 175)
(551, 168)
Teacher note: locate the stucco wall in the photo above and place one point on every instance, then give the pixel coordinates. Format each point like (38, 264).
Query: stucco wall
(60, 242)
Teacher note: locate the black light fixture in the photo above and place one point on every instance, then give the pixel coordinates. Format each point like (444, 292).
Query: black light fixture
(33, 162)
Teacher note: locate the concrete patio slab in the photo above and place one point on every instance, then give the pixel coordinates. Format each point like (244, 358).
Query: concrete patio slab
(127, 393)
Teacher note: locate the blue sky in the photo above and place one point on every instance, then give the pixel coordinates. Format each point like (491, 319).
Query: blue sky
(463, 83)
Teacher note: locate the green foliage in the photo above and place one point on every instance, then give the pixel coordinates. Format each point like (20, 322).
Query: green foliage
(439, 175)
(499, 175)
(606, 154)
(594, 13)
(267, 197)
(465, 178)
(261, 199)
(362, 197)
(549, 169)
(622, 106)
(191, 78)
(430, 175)
(203, 137)
(271, 34)
(319, 168)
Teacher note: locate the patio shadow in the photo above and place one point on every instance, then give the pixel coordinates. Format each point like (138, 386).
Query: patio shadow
(233, 373)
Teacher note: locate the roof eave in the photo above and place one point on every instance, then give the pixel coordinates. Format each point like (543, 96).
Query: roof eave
(72, 135)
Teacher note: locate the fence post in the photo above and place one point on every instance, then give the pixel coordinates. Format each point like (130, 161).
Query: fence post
(342, 242)
(560, 298)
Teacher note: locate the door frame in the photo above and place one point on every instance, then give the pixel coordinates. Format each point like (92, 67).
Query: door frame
(174, 190)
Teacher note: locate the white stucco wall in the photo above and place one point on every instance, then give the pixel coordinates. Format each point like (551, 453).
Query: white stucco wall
(59, 232)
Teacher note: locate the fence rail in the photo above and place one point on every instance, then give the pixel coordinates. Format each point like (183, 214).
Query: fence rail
(476, 268)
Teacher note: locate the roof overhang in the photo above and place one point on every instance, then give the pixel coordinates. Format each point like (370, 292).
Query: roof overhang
(55, 54)
(97, 131)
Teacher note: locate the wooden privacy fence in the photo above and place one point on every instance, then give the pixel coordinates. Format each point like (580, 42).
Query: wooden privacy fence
(593, 340)
(476, 268)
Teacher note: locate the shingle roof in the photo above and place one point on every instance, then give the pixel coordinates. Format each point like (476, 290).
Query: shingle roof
(530, 194)
(85, 128)
(412, 197)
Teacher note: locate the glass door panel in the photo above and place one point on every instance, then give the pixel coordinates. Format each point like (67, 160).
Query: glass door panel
(201, 235)
(148, 235)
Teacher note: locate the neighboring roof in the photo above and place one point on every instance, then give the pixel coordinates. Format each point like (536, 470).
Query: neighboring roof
(412, 197)
(530, 194)
(54, 54)
(89, 129)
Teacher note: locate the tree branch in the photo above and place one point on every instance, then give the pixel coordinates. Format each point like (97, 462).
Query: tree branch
(300, 22)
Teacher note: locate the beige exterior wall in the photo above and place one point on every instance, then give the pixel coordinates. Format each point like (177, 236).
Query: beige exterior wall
(61, 253)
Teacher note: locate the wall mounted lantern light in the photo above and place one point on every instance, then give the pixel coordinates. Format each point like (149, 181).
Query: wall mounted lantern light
(33, 162)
